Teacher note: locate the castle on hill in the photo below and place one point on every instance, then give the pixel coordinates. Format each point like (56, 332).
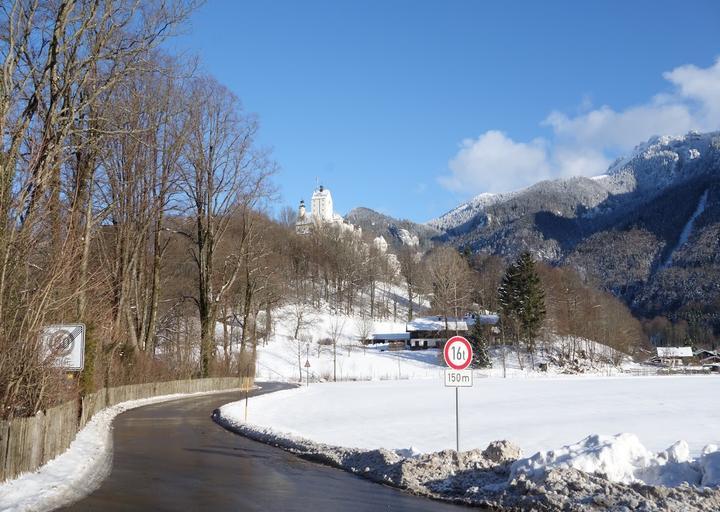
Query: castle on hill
(321, 215)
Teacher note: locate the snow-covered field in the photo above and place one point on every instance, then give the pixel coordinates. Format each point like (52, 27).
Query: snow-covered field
(279, 361)
(537, 414)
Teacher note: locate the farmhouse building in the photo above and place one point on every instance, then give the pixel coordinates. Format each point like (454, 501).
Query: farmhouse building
(709, 359)
(432, 331)
(673, 356)
(390, 337)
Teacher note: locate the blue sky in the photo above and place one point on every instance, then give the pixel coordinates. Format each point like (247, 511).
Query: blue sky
(411, 107)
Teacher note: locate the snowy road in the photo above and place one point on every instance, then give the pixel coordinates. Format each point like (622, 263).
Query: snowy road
(172, 456)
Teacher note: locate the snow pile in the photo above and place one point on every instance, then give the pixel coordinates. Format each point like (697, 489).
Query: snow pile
(710, 466)
(617, 457)
(622, 458)
(440, 475)
(78, 471)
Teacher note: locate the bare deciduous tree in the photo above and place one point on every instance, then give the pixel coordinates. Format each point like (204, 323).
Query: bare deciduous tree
(450, 282)
(223, 176)
(337, 327)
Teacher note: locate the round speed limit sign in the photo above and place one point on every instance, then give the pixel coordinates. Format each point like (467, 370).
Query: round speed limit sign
(458, 353)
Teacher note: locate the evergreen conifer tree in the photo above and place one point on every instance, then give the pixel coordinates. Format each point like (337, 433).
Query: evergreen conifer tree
(522, 299)
(532, 312)
(478, 341)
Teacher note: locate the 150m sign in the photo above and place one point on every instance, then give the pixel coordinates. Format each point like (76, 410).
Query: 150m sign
(458, 378)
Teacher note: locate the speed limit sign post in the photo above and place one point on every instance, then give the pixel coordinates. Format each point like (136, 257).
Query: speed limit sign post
(458, 356)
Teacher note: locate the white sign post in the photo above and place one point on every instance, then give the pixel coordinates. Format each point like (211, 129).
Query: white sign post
(65, 344)
(458, 356)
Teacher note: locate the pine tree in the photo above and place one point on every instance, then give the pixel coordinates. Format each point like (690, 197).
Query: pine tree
(522, 300)
(478, 341)
(532, 310)
(510, 303)
(508, 293)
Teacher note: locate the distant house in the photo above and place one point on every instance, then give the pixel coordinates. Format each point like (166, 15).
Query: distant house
(673, 356)
(705, 353)
(432, 331)
(488, 322)
(709, 359)
(485, 318)
(389, 337)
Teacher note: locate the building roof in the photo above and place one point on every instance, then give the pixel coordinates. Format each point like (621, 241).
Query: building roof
(488, 319)
(435, 323)
(674, 351)
(391, 336)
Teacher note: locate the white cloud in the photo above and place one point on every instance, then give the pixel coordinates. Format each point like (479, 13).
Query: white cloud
(604, 129)
(578, 161)
(701, 86)
(495, 162)
(584, 144)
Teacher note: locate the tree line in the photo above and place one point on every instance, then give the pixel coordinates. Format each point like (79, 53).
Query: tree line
(117, 159)
(536, 303)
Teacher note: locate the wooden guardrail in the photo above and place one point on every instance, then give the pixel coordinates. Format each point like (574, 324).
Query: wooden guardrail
(28, 443)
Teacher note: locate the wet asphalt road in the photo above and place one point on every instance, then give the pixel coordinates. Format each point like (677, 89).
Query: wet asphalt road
(172, 456)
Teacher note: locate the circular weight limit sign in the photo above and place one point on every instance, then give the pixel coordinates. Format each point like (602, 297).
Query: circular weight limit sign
(458, 353)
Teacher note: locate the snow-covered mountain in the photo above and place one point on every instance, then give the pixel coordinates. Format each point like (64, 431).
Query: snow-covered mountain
(648, 229)
(653, 166)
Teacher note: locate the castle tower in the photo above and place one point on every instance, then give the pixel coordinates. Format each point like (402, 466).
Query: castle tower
(322, 205)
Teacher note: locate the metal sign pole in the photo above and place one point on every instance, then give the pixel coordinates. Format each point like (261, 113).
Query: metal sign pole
(307, 368)
(247, 393)
(457, 422)
(246, 404)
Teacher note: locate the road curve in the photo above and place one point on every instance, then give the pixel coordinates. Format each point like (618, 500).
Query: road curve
(172, 456)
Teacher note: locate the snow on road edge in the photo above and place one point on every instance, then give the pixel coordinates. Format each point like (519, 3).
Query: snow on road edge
(79, 470)
(497, 476)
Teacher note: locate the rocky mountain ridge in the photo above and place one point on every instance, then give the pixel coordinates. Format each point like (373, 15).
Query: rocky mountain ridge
(397, 233)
